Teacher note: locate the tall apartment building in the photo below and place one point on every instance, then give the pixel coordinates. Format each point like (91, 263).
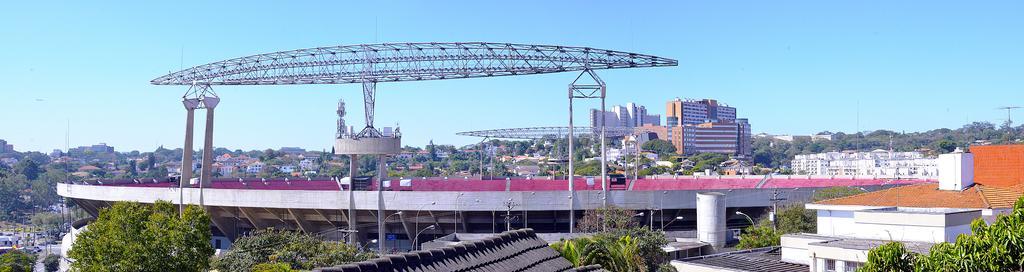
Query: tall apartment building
(705, 126)
(692, 112)
(5, 147)
(630, 115)
(874, 163)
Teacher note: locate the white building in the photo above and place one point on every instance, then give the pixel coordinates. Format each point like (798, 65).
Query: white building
(874, 163)
(630, 115)
(254, 168)
(307, 164)
(790, 138)
(227, 170)
(919, 216)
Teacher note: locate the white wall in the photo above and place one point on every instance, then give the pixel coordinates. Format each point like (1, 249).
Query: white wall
(897, 226)
(836, 223)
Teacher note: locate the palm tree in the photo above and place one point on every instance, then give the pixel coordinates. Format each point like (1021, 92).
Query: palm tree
(620, 255)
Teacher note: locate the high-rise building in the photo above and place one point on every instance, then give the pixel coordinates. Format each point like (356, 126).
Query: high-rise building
(5, 147)
(705, 126)
(692, 112)
(630, 115)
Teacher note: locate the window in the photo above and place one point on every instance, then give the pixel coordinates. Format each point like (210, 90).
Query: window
(830, 265)
(852, 266)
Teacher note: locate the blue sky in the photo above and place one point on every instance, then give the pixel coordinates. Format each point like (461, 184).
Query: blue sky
(792, 67)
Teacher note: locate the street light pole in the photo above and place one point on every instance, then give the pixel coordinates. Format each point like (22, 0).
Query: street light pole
(382, 229)
(458, 210)
(416, 239)
(748, 217)
(670, 222)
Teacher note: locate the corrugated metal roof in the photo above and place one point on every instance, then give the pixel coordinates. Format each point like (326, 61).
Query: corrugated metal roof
(757, 261)
(518, 250)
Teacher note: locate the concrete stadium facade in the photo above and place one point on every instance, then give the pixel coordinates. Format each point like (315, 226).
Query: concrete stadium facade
(453, 206)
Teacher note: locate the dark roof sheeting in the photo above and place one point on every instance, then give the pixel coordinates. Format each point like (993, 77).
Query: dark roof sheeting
(518, 250)
(755, 261)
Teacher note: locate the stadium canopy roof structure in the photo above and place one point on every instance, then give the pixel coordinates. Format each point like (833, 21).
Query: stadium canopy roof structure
(391, 62)
(534, 133)
(370, 64)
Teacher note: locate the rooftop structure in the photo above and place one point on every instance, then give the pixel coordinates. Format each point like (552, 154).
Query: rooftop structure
(370, 64)
(758, 260)
(518, 250)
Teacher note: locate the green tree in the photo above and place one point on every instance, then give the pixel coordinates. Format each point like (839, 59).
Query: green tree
(46, 220)
(297, 250)
(945, 146)
(432, 151)
(796, 219)
(16, 261)
(151, 162)
(605, 219)
(132, 169)
(660, 147)
(649, 244)
(758, 236)
(51, 263)
(13, 205)
(131, 236)
(161, 172)
(890, 257)
(272, 267)
(612, 253)
(588, 168)
(27, 167)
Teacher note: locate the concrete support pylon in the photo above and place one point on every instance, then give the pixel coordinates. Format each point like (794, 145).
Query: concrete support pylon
(381, 178)
(572, 170)
(352, 170)
(191, 104)
(205, 180)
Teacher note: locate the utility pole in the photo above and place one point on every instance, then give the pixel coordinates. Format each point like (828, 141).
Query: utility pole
(508, 213)
(1009, 110)
(775, 208)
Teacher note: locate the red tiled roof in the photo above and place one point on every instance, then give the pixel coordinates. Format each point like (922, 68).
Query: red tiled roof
(929, 196)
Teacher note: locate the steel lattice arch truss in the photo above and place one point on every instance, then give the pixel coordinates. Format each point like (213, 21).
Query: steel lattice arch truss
(535, 133)
(392, 62)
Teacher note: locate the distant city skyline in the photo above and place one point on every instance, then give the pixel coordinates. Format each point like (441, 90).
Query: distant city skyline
(797, 67)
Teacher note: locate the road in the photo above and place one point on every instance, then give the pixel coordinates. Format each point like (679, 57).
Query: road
(51, 249)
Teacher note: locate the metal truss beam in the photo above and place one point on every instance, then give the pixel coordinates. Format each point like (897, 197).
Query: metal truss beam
(392, 62)
(537, 133)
